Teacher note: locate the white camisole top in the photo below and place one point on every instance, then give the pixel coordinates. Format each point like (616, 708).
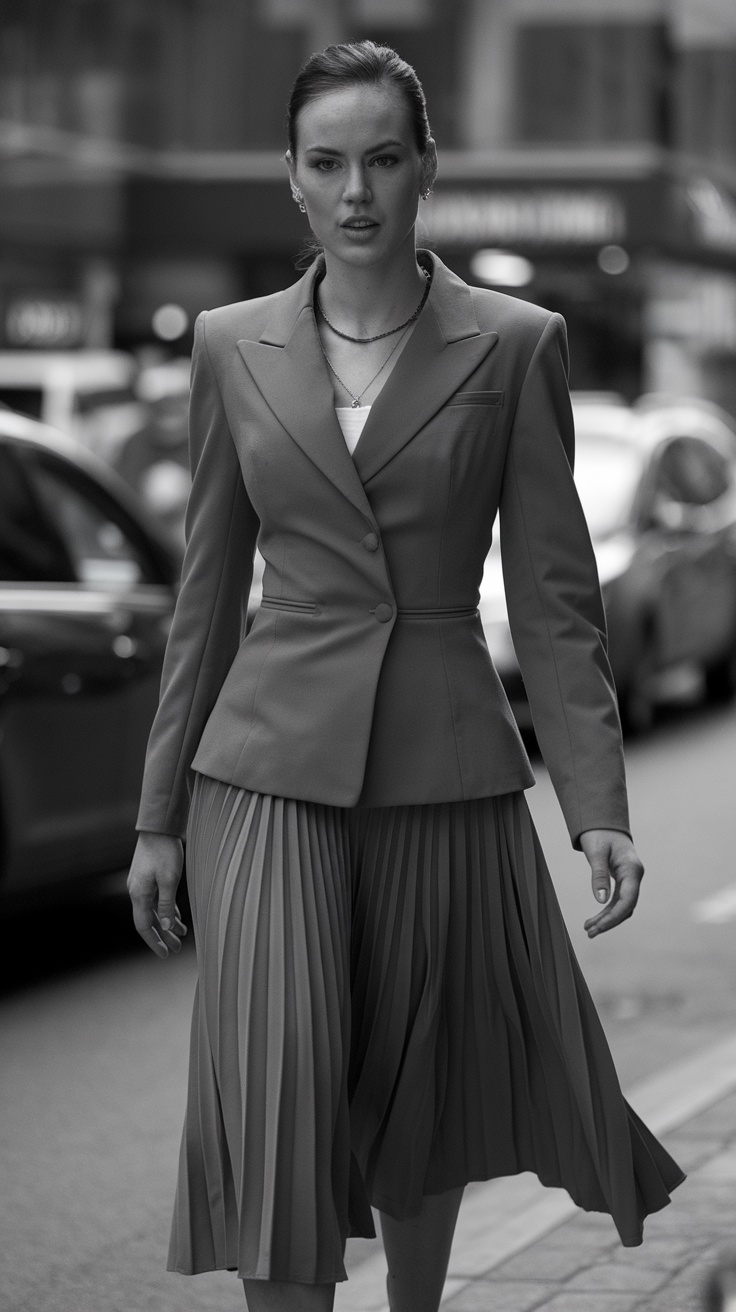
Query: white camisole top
(352, 422)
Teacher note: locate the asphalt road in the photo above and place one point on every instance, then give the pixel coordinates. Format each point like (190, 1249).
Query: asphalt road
(94, 1032)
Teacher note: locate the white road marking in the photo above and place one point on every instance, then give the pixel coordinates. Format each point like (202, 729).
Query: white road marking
(502, 1217)
(717, 909)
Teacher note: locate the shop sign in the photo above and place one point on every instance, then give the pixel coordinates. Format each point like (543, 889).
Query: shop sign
(714, 215)
(43, 322)
(570, 217)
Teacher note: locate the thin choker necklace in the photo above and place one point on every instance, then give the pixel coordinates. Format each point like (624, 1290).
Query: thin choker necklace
(364, 341)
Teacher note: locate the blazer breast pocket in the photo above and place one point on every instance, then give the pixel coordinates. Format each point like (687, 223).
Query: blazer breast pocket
(476, 398)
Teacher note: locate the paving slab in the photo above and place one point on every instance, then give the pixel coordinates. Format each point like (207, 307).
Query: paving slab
(501, 1296)
(590, 1303)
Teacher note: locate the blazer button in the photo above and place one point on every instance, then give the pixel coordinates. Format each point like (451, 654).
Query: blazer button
(370, 542)
(384, 613)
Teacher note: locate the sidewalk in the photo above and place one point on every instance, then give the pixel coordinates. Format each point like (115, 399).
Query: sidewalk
(520, 1247)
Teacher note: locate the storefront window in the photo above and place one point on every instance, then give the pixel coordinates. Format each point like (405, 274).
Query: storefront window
(597, 82)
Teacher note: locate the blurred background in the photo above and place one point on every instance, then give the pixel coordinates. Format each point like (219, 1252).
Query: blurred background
(594, 140)
(587, 163)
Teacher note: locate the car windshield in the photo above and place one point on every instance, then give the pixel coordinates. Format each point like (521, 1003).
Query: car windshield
(607, 471)
(27, 400)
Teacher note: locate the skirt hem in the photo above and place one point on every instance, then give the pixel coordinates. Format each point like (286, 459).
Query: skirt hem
(290, 1279)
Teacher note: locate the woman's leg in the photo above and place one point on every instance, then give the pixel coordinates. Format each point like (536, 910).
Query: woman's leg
(285, 1296)
(418, 1253)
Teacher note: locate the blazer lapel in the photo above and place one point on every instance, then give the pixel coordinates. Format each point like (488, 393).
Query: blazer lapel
(288, 368)
(445, 347)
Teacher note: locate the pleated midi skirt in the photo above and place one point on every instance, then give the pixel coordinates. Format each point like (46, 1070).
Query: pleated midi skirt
(388, 1006)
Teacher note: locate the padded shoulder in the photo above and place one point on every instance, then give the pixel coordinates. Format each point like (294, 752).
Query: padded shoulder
(502, 313)
(241, 318)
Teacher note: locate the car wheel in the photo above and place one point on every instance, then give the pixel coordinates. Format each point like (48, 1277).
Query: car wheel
(720, 680)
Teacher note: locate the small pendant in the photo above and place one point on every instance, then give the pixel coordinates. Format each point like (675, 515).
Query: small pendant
(356, 403)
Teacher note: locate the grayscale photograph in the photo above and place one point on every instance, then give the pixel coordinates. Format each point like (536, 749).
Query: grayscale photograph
(368, 655)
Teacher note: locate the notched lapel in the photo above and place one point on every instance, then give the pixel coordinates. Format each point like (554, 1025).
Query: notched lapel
(294, 381)
(428, 371)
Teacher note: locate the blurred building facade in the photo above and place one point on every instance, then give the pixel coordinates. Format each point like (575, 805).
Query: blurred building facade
(587, 161)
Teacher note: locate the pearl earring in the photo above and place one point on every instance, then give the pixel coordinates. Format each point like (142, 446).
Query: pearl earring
(299, 199)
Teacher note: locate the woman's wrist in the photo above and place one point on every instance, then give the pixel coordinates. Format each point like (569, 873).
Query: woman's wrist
(155, 839)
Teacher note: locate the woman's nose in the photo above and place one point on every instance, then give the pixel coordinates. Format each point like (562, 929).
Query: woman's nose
(356, 186)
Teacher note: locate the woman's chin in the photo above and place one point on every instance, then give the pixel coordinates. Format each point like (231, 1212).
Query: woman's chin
(362, 251)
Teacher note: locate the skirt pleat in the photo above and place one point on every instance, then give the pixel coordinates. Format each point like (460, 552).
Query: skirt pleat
(388, 1006)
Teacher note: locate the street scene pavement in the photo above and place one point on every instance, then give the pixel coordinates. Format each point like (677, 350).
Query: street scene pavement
(94, 1034)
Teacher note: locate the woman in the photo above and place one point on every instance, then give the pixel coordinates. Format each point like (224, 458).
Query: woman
(388, 1005)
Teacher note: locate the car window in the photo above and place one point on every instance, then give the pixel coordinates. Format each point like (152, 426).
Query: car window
(103, 552)
(31, 548)
(85, 402)
(28, 400)
(692, 472)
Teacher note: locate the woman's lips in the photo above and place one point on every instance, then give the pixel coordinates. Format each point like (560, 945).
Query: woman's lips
(359, 227)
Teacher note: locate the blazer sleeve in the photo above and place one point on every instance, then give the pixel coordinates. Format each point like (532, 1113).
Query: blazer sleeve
(554, 602)
(221, 531)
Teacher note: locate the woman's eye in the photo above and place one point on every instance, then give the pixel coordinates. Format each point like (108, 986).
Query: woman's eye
(325, 165)
(384, 161)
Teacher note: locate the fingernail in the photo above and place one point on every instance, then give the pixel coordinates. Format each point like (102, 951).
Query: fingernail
(166, 923)
(601, 895)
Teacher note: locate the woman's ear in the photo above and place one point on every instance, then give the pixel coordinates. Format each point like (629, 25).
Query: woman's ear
(429, 167)
(291, 166)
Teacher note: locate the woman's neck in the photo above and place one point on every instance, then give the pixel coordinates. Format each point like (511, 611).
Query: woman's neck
(363, 302)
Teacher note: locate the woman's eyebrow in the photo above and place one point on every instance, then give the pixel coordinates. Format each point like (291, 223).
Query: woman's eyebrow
(330, 150)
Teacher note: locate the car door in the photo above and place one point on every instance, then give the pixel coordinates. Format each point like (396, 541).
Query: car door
(83, 630)
(692, 504)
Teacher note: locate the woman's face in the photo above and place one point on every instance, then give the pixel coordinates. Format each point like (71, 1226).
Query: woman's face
(360, 172)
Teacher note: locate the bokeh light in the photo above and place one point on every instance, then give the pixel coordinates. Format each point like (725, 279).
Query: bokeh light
(501, 268)
(170, 322)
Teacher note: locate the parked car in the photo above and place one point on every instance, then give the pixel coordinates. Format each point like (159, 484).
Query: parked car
(88, 394)
(658, 486)
(154, 459)
(87, 589)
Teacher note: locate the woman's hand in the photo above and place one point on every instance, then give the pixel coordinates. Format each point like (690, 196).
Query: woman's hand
(154, 877)
(611, 855)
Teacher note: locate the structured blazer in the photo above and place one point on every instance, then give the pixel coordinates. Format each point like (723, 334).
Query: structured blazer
(365, 679)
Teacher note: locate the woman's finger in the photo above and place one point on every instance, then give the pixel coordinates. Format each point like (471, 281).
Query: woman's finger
(169, 923)
(172, 936)
(620, 908)
(145, 923)
(600, 876)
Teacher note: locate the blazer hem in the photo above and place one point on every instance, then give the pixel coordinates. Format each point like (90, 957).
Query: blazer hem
(512, 784)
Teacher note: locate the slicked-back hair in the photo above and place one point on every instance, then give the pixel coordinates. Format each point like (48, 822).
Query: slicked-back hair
(358, 63)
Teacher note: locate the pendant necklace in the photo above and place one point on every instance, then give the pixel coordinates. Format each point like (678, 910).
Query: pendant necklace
(355, 400)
